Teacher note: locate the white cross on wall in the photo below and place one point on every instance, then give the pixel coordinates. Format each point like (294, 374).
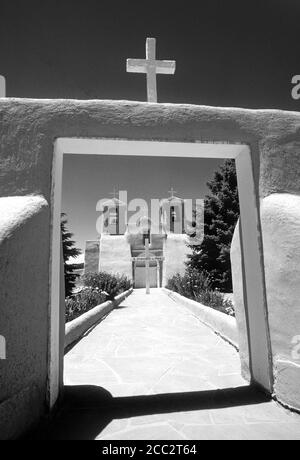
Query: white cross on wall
(151, 67)
(172, 191)
(147, 265)
(114, 193)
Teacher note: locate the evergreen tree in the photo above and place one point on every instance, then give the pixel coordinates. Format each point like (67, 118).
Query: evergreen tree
(220, 218)
(69, 250)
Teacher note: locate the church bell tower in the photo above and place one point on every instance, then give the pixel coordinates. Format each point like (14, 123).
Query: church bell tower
(114, 216)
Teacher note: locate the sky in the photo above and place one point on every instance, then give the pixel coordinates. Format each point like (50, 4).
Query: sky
(89, 178)
(228, 52)
(231, 53)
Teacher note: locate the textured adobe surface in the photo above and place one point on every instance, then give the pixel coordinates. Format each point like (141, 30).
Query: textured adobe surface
(239, 301)
(115, 255)
(175, 254)
(24, 255)
(280, 219)
(28, 129)
(280, 215)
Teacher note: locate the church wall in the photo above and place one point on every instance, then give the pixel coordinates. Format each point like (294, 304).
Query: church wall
(175, 255)
(115, 255)
(91, 256)
(28, 130)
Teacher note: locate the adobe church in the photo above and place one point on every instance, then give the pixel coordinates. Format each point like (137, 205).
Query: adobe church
(120, 248)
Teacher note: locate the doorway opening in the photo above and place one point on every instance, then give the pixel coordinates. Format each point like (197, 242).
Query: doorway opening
(251, 241)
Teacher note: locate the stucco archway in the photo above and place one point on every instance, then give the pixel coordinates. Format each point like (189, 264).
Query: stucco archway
(251, 267)
(29, 129)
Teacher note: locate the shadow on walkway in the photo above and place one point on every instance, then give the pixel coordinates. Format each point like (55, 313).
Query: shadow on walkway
(87, 410)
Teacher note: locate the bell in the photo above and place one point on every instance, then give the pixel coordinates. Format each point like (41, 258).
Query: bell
(113, 218)
(173, 215)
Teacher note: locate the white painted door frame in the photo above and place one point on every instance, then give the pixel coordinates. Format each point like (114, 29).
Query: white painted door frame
(255, 299)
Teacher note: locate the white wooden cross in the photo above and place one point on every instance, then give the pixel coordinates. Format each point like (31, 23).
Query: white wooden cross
(147, 265)
(114, 193)
(172, 191)
(2, 86)
(151, 67)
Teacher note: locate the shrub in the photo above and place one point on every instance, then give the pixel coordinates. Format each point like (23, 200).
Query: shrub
(215, 299)
(111, 284)
(197, 286)
(82, 302)
(98, 287)
(188, 285)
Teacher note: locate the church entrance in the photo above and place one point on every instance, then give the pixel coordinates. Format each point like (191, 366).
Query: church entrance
(140, 276)
(139, 272)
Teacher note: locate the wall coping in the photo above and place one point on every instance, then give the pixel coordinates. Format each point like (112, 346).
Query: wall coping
(223, 325)
(132, 103)
(77, 327)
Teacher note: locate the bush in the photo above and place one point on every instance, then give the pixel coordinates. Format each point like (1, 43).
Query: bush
(197, 286)
(98, 287)
(111, 284)
(190, 284)
(82, 302)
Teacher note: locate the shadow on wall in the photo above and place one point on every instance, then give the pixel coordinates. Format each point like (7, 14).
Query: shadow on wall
(87, 410)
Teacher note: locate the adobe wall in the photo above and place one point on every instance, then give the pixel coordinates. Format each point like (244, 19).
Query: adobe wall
(91, 256)
(280, 220)
(28, 129)
(175, 255)
(280, 215)
(115, 255)
(24, 255)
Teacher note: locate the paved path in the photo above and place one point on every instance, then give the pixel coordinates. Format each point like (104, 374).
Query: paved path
(151, 370)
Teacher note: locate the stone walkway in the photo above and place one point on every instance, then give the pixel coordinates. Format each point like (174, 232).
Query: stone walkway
(151, 370)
